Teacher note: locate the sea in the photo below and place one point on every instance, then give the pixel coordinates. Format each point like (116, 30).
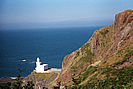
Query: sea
(20, 48)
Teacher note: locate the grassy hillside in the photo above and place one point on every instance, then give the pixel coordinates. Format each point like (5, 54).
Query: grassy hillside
(106, 60)
(41, 80)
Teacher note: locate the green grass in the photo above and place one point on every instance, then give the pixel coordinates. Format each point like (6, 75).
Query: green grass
(115, 79)
(128, 55)
(88, 57)
(41, 76)
(85, 46)
(81, 66)
(119, 51)
(77, 54)
(88, 72)
(104, 32)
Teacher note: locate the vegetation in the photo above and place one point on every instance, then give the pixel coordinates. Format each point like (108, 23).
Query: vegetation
(5, 86)
(104, 32)
(125, 58)
(85, 46)
(88, 72)
(83, 60)
(76, 82)
(17, 84)
(88, 56)
(29, 85)
(115, 79)
(128, 55)
(41, 76)
(77, 54)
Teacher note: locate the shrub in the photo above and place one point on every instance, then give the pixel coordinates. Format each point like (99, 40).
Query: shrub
(104, 32)
(89, 71)
(77, 54)
(128, 55)
(85, 46)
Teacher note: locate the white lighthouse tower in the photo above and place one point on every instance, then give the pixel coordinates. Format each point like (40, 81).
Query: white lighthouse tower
(40, 68)
(38, 62)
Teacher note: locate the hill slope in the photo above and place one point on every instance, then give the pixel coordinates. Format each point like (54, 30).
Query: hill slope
(106, 60)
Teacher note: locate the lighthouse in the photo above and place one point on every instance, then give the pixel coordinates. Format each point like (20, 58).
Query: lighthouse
(40, 68)
(38, 62)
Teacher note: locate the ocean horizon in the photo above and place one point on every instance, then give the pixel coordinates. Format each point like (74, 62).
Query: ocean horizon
(20, 48)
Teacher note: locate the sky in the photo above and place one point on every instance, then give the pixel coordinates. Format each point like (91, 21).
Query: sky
(22, 14)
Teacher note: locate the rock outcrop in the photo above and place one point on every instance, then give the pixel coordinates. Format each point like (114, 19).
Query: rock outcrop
(122, 19)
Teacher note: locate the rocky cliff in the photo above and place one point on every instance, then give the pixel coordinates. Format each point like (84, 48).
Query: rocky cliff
(106, 60)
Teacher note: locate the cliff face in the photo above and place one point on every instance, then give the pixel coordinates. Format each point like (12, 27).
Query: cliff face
(110, 47)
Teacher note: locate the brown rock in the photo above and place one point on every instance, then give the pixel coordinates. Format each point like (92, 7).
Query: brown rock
(122, 19)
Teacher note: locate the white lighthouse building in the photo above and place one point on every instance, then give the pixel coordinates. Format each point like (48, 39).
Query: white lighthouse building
(40, 68)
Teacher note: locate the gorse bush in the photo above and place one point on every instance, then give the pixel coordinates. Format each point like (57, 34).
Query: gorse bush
(88, 72)
(128, 55)
(85, 46)
(104, 32)
(77, 54)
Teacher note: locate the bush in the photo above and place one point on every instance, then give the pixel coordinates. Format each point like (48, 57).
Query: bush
(88, 56)
(122, 77)
(89, 71)
(85, 46)
(77, 54)
(104, 32)
(128, 55)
